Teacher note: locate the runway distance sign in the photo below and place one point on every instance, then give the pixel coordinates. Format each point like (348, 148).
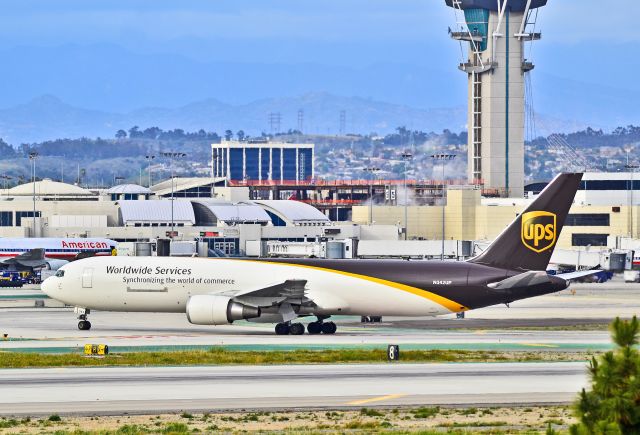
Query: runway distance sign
(393, 352)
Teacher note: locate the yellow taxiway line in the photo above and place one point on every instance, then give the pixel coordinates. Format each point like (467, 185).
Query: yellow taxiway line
(376, 399)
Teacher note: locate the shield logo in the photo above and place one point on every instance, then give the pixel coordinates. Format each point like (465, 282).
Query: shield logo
(539, 230)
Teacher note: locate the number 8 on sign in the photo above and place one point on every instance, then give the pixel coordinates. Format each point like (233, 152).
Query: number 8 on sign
(393, 352)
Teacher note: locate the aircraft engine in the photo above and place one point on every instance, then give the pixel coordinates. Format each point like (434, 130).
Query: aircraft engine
(218, 310)
(53, 264)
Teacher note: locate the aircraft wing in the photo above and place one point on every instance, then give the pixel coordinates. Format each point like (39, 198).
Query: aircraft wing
(291, 291)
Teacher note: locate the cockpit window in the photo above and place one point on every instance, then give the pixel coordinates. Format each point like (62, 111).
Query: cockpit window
(60, 273)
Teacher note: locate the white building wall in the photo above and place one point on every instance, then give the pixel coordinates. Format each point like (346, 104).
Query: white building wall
(86, 221)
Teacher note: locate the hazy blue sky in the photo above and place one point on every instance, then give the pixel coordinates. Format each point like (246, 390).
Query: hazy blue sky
(46, 21)
(591, 41)
(296, 30)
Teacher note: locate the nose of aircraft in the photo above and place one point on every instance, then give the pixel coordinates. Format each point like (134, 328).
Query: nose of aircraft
(50, 286)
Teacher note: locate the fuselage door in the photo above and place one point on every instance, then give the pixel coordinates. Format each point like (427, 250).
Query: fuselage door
(87, 277)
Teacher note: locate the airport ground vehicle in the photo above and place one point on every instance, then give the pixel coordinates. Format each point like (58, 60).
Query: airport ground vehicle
(222, 290)
(13, 279)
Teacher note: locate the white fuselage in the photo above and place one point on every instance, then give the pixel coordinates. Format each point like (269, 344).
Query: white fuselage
(58, 248)
(165, 284)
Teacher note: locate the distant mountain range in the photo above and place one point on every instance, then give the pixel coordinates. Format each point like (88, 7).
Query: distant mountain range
(48, 117)
(103, 87)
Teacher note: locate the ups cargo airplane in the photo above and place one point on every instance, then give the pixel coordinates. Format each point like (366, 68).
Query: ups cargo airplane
(220, 291)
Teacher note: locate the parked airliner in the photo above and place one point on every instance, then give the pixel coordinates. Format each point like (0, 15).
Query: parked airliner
(220, 291)
(49, 252)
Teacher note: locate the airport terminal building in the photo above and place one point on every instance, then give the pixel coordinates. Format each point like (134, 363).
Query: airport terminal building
(203, 210)
(231, 218)
(606, 207)
(262, 161)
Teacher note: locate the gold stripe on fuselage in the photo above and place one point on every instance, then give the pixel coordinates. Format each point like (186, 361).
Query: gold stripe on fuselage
(452, 306)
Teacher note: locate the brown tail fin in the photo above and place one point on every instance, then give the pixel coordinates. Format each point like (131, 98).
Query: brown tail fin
(527, 244)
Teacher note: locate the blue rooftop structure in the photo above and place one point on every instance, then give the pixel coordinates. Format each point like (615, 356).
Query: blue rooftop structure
(492, 5)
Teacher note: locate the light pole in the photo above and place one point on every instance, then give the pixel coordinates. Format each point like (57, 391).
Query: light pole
(149, 158)
(172, 156)
(6, 179)
(633, 168)
(406, 156)
(33, 155)
(372, 171)
(443, 158)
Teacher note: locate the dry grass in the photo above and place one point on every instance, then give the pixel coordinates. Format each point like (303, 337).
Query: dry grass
(424, 421)
(219, 356)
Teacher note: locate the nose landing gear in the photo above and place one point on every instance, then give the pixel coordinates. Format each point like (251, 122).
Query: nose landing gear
(83, 313)
(84, 325)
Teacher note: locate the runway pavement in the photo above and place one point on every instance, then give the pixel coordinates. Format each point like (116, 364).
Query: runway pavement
(154, 390)
(116, 391)
(54, 329)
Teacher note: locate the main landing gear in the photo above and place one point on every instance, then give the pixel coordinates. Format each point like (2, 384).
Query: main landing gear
(314, 328)
(83, 324)
(288, 328)
(321, 327)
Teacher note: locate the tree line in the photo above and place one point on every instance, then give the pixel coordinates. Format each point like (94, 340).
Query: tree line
(592, 138)
(136, 141)
(156, 133)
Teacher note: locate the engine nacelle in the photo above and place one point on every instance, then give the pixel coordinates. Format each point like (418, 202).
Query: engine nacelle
(217, 310)
(53, 264)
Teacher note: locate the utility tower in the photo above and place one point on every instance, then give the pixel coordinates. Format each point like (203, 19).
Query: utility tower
(301, 120)
(496, 32)
(275, 118)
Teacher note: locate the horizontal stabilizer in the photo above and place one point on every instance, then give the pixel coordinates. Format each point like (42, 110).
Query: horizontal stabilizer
(525, 279)
(33, 258)
(578, 274)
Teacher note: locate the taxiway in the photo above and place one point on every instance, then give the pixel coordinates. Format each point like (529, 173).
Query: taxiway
(546, 323)
(140, 390)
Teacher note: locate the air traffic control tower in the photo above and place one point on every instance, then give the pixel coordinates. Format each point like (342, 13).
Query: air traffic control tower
(496, 32)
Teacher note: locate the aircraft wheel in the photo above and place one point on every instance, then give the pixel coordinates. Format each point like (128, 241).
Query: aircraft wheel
(296, 329)
(282, 329)
(329, 328)
(314, 328)
(87, 325)
(84, 325)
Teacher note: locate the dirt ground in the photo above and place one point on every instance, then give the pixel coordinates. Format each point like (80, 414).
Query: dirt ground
(399, 420)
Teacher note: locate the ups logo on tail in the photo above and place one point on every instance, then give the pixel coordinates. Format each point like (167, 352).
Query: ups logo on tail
(539, 230)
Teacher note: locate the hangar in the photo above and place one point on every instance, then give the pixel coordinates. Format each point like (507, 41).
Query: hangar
(219, 213)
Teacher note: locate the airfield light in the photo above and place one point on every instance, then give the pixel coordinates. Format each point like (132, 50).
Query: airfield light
(172, 155)
(443, 158)
(406, 156)
(373, 171)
